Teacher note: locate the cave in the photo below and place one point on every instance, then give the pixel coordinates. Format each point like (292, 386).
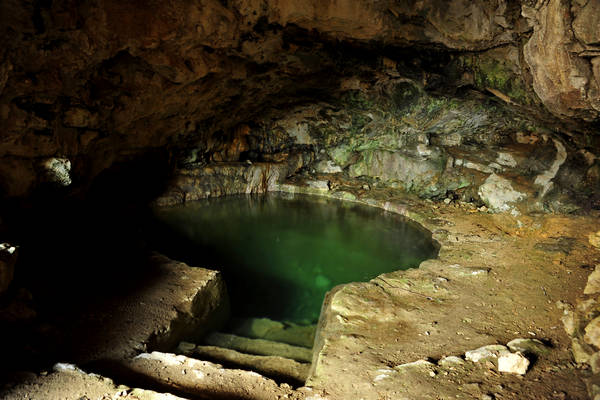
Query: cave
(470, 126)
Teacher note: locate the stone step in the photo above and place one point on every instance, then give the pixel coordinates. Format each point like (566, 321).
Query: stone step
(260, 347)
(268, 329)
(282, 369)
(203, 379)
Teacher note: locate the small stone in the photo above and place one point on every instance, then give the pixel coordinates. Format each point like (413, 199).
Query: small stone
(514, 363)
(447, 200)
(485, 352)
(414, 364)
(186, 348)
(528, 346)
(451, 361)
(568, 320)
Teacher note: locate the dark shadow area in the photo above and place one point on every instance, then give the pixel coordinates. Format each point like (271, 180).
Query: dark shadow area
(77, 253)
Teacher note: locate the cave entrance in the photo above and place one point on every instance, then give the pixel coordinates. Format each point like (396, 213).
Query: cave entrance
(279, 255)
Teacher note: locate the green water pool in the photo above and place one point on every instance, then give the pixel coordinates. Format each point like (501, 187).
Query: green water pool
(281, 253)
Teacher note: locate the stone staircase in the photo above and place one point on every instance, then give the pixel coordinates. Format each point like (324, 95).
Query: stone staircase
(128, 353)
(281, 351)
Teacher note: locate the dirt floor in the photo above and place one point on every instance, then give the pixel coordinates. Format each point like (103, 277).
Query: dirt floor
(498, 277)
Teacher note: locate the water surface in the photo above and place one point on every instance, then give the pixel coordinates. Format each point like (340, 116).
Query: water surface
(280, 254)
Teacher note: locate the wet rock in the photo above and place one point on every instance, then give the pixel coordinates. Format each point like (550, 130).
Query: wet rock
(222, 179)
(498, 193)
(514, 363)
(528, 346)
(8, 258)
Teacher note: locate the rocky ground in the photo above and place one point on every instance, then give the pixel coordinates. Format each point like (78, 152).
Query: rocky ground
(498, 278)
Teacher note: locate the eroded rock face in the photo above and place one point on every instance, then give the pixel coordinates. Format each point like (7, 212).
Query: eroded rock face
(563, 56)
(393, 134)
(103, 82)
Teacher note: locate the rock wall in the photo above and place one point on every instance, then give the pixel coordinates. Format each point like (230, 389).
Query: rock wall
(96, 83)
(392, 133)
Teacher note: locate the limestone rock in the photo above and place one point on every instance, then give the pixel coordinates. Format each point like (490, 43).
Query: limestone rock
(419, 364)
(489, 352)
(498, 193)
(594, 362)
(414, 174)
(265, 328)
(562, 79)
(581, 351)
(319, 185)
(592, 332)
(273, 366)
(528, 346)
(203, 379)
(593, 282)
(259, 346)
(8, 258)
(57, 170)
(514, 363)
(327, 167)
(450, 361)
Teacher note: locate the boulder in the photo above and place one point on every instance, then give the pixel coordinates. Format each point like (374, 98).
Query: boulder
(498, 194)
